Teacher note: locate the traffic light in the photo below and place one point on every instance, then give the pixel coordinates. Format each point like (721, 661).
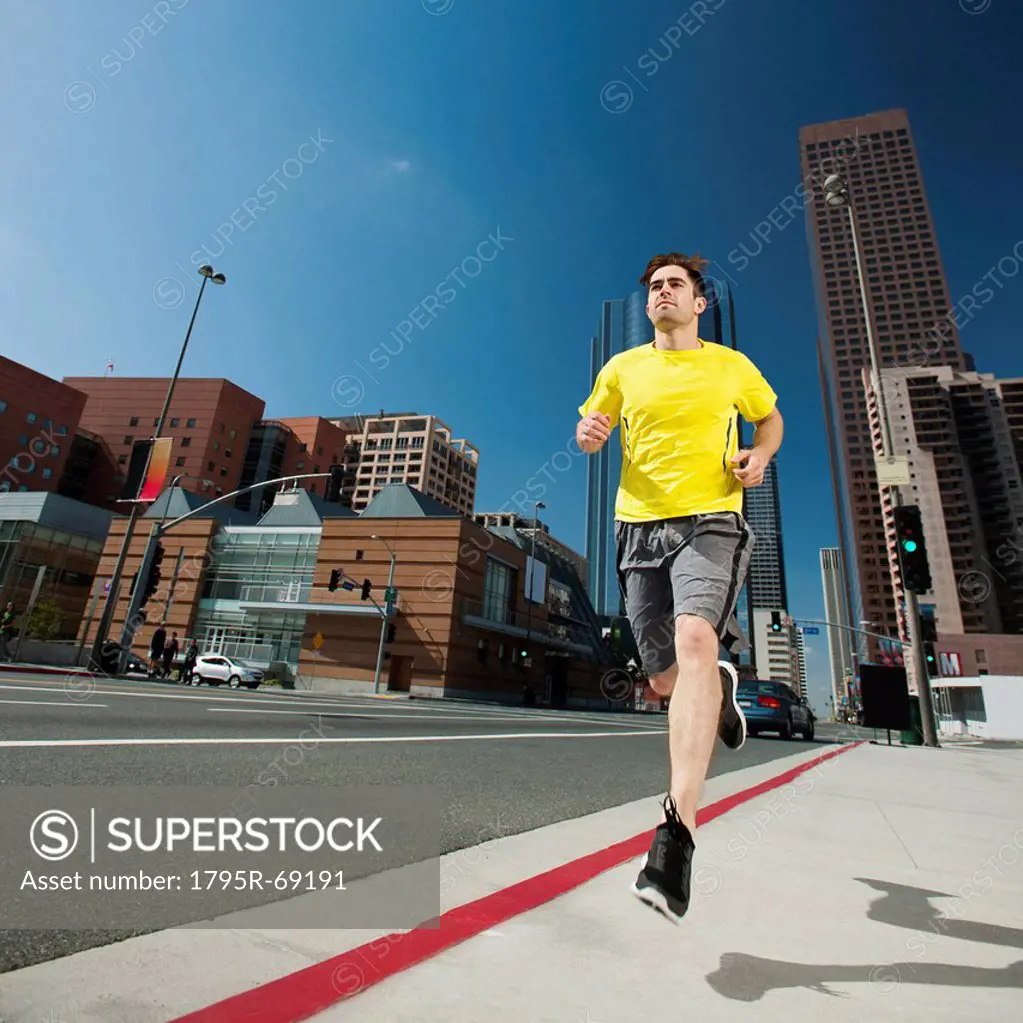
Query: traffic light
(931, 658)
(366, 587)
(928, 626)
(335, 579)
(337, 473)
(776, 621)
(152, 580)
(909, 534)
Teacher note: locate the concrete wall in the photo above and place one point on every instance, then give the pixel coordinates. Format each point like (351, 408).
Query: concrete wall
(1003, 706)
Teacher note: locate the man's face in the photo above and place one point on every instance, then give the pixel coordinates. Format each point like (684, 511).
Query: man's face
(671, 302)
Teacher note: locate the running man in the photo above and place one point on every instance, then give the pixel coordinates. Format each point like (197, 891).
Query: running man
(683, 546)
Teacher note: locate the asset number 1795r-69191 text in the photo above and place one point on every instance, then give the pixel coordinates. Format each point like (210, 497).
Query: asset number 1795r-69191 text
(257, 881)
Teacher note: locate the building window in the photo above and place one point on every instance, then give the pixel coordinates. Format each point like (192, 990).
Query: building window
(191, 424)
(216, 445)
(54, 450)
(3, 405)
(497, 591)
(234, 433)
(175, 422)
(186, 442)
(47, 473)
(156, 422)
(31, 417)
(128, 440)
(223, 471)
(180, 462)
(228, 453)
(210, 466)
(122, 459)
(23, 440)
(134, 421)
(300, 465)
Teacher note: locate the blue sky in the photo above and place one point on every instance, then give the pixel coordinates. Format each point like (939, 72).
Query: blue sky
(344, 161)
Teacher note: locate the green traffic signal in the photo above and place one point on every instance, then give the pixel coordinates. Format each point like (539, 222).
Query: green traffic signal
(909, 546)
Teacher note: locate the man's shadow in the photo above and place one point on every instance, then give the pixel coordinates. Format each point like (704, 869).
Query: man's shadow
(747, 978)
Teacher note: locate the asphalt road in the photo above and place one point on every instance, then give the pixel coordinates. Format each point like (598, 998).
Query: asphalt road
(496, 771)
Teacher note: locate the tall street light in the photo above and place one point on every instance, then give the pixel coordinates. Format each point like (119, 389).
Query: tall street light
(208, 274)
(836, 193)
(537, 505)
(383, 621)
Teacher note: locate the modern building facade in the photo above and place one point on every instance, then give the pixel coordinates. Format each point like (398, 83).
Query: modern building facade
(50, 546)
(279, 447)
(800, 663)
(38, 420)
(961, 433)
(766, 585)
(411, 448)
(909, 301)
(778, 659)
(210, 420)
(836, 611)
(525, 527)
(258, 589)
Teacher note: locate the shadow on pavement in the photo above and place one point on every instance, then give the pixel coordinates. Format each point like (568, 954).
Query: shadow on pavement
(747, 978)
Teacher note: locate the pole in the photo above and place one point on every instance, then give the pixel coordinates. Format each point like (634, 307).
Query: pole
(923, 684)
(36, 587)
(383, 629)
(529, 586)
(106, 618)
(173, 584)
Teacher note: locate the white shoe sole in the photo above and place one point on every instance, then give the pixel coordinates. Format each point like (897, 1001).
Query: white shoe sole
(733, 695)
(653, 898)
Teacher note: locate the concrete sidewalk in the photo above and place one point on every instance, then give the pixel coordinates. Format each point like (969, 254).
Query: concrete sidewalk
(884, 881)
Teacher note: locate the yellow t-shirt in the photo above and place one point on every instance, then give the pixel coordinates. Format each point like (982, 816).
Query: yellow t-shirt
(678, 412)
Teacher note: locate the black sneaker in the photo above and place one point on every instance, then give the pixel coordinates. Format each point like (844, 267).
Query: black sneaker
(664, 881)
(732, 723)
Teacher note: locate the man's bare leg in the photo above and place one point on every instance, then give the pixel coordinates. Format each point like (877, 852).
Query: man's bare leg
(694, 712)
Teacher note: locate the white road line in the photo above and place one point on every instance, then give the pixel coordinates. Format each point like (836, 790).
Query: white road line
(378, 717)
(277, 740)
(385, 707)
(52, 703)
(190, 694)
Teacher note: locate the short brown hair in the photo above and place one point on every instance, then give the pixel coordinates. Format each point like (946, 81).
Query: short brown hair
(694, 265)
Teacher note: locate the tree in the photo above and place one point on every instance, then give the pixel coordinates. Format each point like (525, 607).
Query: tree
(45, 621)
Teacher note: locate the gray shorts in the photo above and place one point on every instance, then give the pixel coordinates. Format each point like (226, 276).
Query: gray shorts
(693, 564)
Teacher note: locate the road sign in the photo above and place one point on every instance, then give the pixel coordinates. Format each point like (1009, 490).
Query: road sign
(811, 630)
(318, 641)
(390, 594)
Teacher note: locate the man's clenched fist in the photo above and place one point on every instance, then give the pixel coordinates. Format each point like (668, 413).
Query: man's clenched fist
(592, 432)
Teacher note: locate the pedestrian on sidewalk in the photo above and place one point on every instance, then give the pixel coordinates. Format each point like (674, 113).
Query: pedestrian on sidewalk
(156, 645)
(170, 651)
(683, 546)
(8, 631)
(188, 665)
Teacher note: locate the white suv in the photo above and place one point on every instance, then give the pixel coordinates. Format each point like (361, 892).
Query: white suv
(215, 669)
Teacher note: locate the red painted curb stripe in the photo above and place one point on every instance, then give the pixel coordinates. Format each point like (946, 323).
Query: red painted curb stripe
(301, 995)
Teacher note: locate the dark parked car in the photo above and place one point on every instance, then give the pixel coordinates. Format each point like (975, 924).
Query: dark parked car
(775, 707)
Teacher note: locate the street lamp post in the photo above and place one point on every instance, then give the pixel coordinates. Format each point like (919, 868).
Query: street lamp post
(383, 622)
(537, 505)
(836, 193)
(106, 618)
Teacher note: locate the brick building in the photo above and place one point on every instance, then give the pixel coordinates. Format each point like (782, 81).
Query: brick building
(258, 590)
(38, 420)
(209, 419)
